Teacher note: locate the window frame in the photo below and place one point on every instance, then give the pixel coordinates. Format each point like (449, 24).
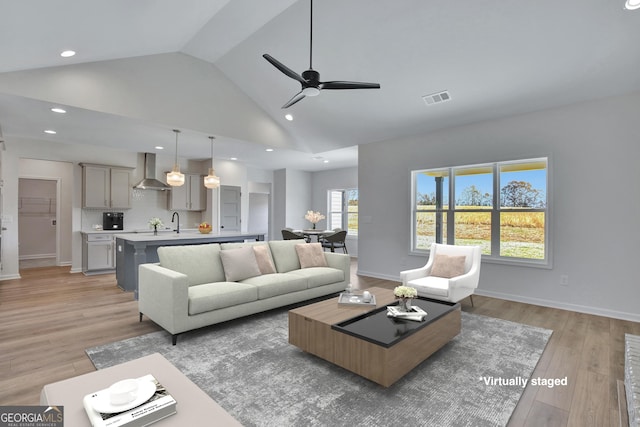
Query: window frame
(344, 210)
(495, 212)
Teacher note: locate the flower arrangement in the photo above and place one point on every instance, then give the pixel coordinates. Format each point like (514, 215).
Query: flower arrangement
(405, 295)
(405, 292)
(155, 222)
(314, 217)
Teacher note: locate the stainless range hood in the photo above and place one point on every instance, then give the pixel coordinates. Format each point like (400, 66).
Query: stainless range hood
(150, 182)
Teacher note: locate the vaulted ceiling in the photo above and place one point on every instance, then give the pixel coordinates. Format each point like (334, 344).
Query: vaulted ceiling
(145, 67)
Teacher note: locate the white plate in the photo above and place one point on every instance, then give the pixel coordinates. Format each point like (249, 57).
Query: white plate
(102, 401)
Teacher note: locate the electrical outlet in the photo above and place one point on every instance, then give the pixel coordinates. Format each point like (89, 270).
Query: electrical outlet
(564, 280)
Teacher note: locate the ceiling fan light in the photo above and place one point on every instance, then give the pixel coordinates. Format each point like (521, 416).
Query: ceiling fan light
(311, 91)
(632, 4)
(175, 178)
(211, 180)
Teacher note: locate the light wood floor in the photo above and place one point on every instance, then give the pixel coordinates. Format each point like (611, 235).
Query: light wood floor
(49, 317)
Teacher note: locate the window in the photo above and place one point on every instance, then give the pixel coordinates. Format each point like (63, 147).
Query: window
(343, 210)
(502, 207)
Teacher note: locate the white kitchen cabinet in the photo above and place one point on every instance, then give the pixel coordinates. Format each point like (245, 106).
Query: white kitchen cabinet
(105, 187)
(98, 253)
(188, 197)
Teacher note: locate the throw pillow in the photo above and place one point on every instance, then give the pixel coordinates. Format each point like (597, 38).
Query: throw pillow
(311, 255)
(448, 266)
(239, 264)
(263, 256)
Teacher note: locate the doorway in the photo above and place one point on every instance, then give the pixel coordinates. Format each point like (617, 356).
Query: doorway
(37, 222)
(230, 208)
(259, 213)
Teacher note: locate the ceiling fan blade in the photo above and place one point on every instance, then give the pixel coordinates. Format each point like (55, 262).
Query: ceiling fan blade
(284, 69)
(348, 85)
(297, 97)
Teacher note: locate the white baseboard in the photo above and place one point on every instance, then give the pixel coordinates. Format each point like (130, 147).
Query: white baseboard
(37, 256)
(377, 275)
(75, 270)
(10, 277)
(633, 317)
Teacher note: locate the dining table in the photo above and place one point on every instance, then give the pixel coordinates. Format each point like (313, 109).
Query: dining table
(310, 233)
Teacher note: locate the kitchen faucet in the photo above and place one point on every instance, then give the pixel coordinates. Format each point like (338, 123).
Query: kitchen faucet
(176, 214)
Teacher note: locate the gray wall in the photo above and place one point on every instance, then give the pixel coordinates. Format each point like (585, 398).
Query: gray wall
(291, 200)
(593, 149)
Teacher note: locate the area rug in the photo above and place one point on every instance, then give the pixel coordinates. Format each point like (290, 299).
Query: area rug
(248, 367)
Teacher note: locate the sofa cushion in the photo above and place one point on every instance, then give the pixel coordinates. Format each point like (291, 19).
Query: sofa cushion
(262, 251)
(284, 255)
(239, 264)
(271, 285)
(310, 255)
(201, 263)
(448, 266)
(431, 285)
(263, 256)
(214, 296)
(319, 276)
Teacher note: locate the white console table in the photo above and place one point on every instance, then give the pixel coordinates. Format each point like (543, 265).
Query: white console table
(195, 407)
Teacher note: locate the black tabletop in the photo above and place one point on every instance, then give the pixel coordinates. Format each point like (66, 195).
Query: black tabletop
(378, 328)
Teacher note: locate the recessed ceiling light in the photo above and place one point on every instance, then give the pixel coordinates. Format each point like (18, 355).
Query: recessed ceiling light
(58, 110)
(50, 131)
(325, 161)
(233, 158)
(269, 150)
(288, 117)
(67, 53)
(158, 147)
(632, 4)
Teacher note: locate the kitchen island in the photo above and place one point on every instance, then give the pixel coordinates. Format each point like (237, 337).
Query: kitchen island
(133, 249)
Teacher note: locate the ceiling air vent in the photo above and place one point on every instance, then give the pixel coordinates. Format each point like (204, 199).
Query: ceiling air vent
(436, 98)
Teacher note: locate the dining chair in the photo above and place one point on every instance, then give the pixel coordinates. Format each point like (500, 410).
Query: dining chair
(288, 234)
(322, 236)
(335, 240)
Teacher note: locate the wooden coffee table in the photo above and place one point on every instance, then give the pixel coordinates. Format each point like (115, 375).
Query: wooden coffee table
(318, 329)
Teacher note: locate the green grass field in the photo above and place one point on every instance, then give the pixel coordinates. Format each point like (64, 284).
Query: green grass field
(521, 233)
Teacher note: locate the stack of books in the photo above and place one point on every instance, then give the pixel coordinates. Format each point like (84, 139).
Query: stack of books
(152, 404)
(416, 314)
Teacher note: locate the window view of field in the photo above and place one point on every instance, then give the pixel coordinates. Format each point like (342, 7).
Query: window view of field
(352, 211)
(343, 210)
(521, 213)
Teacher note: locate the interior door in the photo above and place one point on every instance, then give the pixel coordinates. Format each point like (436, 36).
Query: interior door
(230, 208)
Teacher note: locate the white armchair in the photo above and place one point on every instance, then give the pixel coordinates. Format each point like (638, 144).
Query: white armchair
(456, 277)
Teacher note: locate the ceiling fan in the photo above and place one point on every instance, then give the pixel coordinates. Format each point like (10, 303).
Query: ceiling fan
(310, 79)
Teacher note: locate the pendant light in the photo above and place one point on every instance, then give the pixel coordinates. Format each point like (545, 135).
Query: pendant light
(211, 180)
(175, 178)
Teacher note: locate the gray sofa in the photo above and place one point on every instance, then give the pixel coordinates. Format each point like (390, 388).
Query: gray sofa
(190, 287)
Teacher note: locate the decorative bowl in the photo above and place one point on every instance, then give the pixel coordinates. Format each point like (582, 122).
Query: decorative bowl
(205, 230)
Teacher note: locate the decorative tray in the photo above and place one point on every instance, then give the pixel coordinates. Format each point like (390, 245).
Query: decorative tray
(354, 299)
